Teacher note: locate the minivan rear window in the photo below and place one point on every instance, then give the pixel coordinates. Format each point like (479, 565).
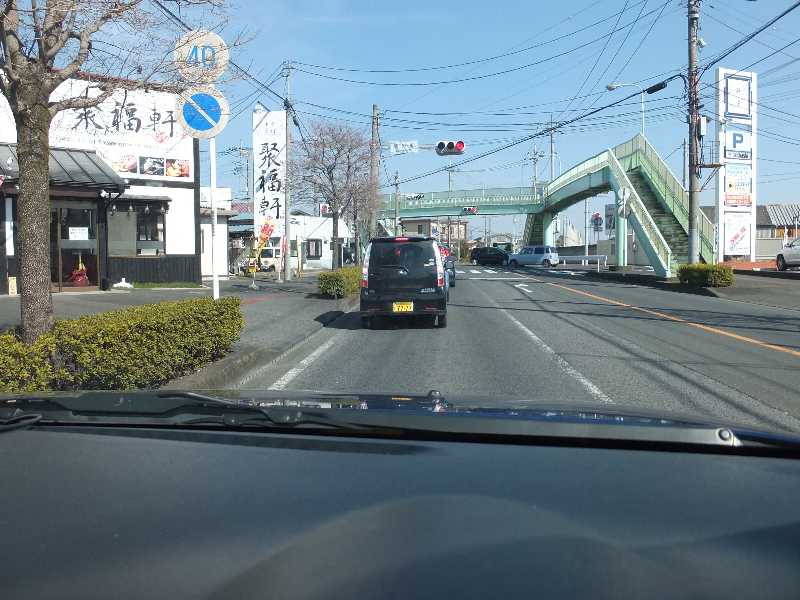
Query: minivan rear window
(411, 255)
(538, 250)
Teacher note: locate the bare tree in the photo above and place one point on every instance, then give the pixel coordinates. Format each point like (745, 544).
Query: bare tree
(331, 164)
(112, 43)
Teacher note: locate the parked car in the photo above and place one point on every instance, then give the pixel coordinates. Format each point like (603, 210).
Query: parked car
(449, 264)
(789, 255)
(488, 256)
(546, 256)
(270, 259)
(402, 277)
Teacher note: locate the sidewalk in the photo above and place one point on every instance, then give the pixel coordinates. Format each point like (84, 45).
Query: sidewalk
(277, 317)
(748, 286)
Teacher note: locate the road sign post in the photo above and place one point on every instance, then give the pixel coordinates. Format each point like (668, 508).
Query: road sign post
(201, 57)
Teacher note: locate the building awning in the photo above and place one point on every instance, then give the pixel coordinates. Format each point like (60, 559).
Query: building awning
(243, 229)
(68, 168)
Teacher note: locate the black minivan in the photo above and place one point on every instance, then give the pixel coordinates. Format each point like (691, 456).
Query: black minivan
(401, 277)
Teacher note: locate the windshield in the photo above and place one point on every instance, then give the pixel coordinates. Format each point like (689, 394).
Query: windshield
(517, 207)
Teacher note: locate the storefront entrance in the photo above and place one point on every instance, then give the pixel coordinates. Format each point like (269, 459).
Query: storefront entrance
(74, 259)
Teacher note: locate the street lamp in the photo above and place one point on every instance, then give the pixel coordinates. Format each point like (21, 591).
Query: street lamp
(650, 90)
(614, 85)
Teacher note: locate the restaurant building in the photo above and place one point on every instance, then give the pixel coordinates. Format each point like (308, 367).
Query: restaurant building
(124, 193)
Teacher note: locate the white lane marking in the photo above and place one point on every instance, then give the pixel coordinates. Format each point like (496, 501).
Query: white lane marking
(595, 391)
(495, 278)
(521, 285)
(292, 373)
(460, 272)
(489, 271)
(474, 271)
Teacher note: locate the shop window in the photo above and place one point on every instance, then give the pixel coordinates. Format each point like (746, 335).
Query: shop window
(314, 251)
(150, 232)
(121, 233)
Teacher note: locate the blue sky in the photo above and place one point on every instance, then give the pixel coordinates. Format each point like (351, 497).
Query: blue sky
(414, 35)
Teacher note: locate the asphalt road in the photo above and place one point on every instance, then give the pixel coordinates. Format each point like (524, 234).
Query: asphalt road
(533, 335)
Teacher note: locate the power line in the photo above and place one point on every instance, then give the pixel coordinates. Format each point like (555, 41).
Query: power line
(540, 133)
(479, 60)
(641, 41)
(465, 79)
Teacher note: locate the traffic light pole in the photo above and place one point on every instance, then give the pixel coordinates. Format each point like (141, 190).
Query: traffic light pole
(373, 171)
(287, 252)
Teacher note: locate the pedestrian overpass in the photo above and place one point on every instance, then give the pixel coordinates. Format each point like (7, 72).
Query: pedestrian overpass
(657, 205)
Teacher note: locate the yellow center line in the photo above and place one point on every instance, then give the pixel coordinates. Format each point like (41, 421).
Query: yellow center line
(656, 313)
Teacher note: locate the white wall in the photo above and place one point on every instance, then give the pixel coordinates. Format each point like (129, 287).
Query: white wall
(180, 221)
(222, 197)
(220, 247)
(9, 225)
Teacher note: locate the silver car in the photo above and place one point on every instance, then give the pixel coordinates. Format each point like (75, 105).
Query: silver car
(546, 256)
(789, 255)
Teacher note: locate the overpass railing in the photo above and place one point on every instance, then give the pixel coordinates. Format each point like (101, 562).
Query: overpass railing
(641, 214)
(590, 165)
(638, 152)
(460, 198)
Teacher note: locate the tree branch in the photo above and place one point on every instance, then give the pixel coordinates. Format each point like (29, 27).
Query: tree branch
(9, 23)
(84, 38)
(54, 19)
(37, 30)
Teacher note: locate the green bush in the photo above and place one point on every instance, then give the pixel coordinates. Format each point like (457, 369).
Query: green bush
(25, 368)
(138, 347)
(706, 275)
(340, 283)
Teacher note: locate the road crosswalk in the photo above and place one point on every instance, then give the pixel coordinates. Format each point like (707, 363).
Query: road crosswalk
(503, 273)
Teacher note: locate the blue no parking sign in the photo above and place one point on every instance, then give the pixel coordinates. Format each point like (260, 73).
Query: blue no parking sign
(203, 111)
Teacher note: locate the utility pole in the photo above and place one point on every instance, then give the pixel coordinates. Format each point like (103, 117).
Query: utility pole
(397, 202)
(374, 156)
(552, 149)
(287, 252)
(693, 13)
(449, 192)
(585, 230)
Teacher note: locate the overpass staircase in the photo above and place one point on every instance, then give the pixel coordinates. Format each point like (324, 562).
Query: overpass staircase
(657, 208)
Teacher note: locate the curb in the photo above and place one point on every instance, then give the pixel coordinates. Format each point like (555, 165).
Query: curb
(228, 370)
(775, 274)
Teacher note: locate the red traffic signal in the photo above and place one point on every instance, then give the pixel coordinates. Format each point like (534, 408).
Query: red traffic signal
(445, 148)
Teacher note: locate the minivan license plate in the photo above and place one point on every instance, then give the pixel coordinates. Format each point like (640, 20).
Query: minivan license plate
(402, 307)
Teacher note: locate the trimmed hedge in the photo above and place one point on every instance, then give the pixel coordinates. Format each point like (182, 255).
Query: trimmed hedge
(137, 347)
(706, 275)
(340, 283)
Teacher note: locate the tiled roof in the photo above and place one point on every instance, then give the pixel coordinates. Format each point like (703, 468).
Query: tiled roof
(68, 167)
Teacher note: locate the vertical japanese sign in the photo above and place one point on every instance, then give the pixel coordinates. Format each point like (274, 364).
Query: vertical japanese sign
(736, 134)
(269, 172)
(135, 131)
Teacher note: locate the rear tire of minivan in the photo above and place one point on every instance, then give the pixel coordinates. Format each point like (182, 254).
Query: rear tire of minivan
(546, 263)
(441, 321)
(513, 264)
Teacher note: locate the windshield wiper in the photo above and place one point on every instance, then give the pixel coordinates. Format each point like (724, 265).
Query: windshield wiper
(19, 422)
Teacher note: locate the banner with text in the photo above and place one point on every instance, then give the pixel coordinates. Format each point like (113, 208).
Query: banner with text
(135, 131)
(736, 133)
(269, 172)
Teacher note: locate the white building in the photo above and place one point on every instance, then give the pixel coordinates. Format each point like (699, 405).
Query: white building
(222, 200)
(124, 193)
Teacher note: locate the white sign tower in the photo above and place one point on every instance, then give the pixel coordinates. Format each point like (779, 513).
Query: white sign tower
(736, 130)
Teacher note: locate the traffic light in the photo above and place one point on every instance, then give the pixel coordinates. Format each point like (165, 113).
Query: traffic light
(445, 148)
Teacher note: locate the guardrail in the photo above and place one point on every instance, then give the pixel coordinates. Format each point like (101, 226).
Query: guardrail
(587, 258)
(639, 210)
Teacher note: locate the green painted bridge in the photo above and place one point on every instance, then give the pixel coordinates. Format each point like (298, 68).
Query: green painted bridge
(649, 199)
